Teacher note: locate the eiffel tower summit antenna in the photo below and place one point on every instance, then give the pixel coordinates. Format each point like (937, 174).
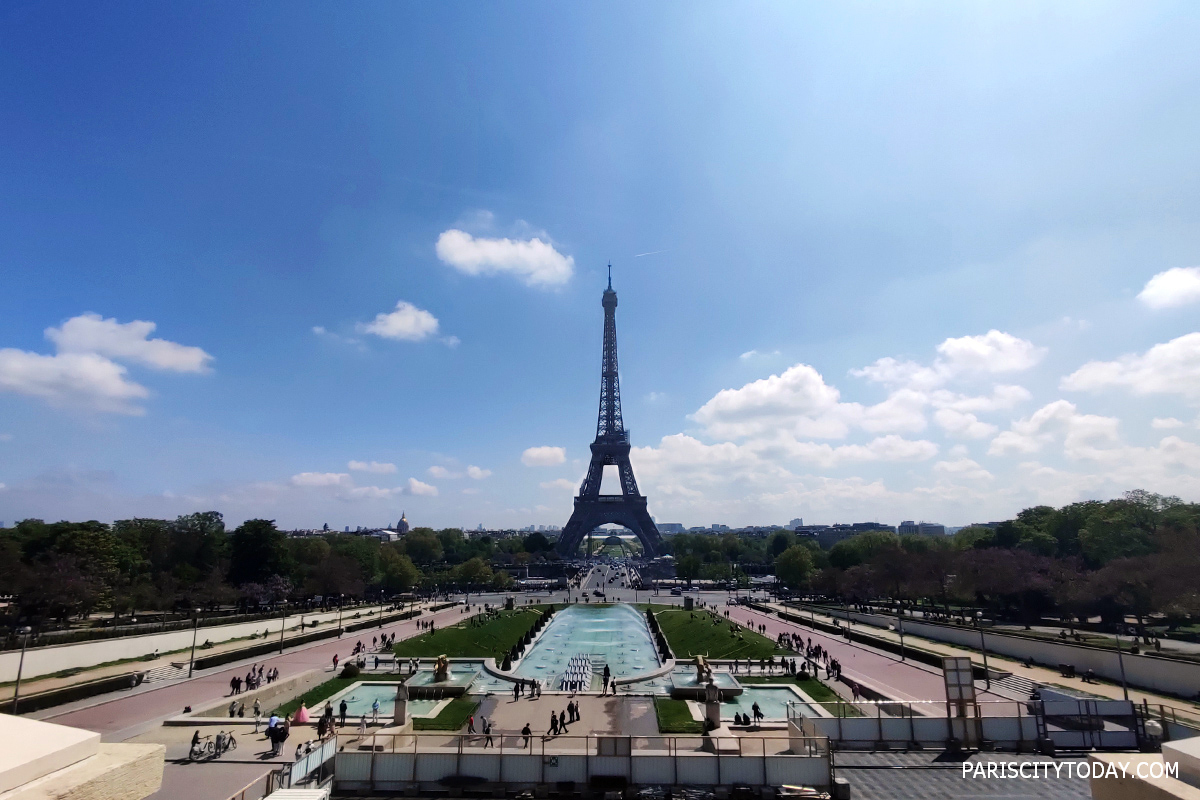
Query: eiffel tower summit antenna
(610, 448)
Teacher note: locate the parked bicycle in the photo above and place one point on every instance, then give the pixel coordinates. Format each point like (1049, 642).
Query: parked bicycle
(225, 742)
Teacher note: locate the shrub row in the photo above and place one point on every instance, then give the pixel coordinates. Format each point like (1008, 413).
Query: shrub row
(518, 649)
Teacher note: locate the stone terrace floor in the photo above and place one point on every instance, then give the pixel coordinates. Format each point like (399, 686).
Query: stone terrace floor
(935, 776)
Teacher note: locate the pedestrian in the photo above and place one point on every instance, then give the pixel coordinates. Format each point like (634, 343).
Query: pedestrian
(233, 708)
(487, 731)
(562, 721)
(516, 692)
(553, 724)
(471, 724)
(526, 731)
(322, 727)
(335, 662)
(257, 707)
(375, 711)
(758, 714)
(257, 719)
(362, 725)
(242, 710)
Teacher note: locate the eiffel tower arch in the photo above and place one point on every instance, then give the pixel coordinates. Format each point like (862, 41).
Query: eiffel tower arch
(611, 448)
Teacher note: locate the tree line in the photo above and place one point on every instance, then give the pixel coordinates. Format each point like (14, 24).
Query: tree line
(63, 570)
(1138, 555)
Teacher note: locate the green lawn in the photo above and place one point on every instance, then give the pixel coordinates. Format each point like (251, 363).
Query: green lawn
(675, 717)
(451, 718)
(322, 692)
(493, 638)
(692, 633)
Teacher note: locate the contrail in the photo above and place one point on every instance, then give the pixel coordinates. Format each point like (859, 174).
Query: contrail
(651, 253)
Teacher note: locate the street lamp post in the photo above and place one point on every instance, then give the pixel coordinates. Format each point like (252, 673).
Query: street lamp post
(987, 675)
(900, 628)
(340, 615)
(1121, 661)
(25, 631)
(195, 630)
(282, 628)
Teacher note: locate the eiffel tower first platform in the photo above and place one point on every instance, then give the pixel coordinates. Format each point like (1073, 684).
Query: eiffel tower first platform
(611, 447)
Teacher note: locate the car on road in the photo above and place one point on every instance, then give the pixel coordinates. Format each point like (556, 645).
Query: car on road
(676, 593)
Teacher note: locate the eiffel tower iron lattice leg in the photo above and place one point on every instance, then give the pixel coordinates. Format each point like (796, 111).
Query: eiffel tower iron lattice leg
(611, 448)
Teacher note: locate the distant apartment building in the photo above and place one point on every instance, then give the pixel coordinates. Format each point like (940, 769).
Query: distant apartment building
(910, 528)
(670, 527)
(829, 535)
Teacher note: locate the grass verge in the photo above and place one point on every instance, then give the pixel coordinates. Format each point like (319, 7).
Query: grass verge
(702, 633)
(675, 717)
(452, 717)
(490, 639)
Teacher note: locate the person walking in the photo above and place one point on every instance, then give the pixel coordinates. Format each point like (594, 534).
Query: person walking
(526, 732)
(553, 724)
(562, 721)
(487, 731)
(342, 711)
(335, 662)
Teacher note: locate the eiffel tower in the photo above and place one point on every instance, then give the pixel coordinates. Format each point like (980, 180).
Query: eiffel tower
(611, 447)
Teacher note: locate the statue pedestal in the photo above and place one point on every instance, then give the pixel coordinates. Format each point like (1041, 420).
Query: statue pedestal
(400, 715)
(712, 714)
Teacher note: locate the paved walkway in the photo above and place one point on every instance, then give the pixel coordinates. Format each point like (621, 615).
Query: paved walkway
(906, 681)
(31, 686)
(1035, 673)
(142, 711)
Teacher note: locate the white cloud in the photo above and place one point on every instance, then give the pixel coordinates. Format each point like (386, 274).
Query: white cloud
(443, 473)
(321, 479)
(1169, 368)
(964, 424)
(416, 487)
(543, 456)
(85, 380)
(1178, 286)
(534, 261)
(6, 437)
(797, 400)
(376, 467)
(992, 352)
(91, 333)
(1083, 434)
(1165, 423)
(83, 373)
(477, 473)
(963, 468)
(560, 483)
(751, 354)
(407, 323)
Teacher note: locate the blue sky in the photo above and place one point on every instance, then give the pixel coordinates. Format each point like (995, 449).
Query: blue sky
(371, 241)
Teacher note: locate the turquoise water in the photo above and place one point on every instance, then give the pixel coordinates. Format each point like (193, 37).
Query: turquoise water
(359, 699)
(615, 635)
(772, 700)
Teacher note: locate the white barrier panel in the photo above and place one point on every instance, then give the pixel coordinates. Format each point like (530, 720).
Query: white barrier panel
(1149, 672)
(675, 760)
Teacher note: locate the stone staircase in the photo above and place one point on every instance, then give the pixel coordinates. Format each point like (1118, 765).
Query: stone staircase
(167, 672)
(1010, 685)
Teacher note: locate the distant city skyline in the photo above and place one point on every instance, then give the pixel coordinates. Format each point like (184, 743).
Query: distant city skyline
(909, 262)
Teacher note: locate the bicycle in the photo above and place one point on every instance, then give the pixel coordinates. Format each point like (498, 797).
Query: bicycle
(201, 748)
(225, 742)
